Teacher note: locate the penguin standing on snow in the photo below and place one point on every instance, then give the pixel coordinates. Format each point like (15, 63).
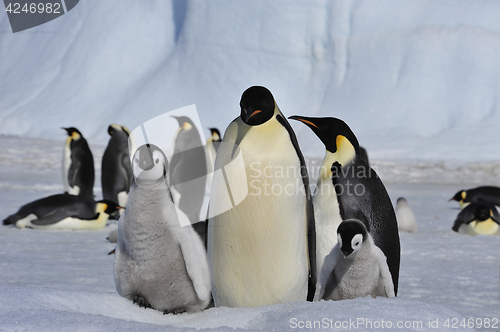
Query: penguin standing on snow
(211, 151)
(78, 165)
(63, 211)
(478, 218)
(488, 194)
(356, 267)
(261, 251)
(188, 170)
(116, 174)
(360, 193)
(406, 219)
(160, 260)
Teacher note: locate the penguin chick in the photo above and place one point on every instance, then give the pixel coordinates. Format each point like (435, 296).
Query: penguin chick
(116, 169)
(478, 218)
(77, 165)
(160, 260)
(356, 267)
(487, 194)
(63, 211)
(405, 217)
(113, 236)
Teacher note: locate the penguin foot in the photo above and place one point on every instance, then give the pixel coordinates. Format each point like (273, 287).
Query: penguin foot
(174, 311)
(141, 301)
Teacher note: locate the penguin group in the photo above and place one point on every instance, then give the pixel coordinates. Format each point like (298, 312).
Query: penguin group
(479, 213)
(76, 208)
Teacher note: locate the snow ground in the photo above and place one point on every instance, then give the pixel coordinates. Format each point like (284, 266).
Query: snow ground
(55, 281)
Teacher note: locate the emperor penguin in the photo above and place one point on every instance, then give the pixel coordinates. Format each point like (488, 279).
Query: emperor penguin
(261, 251)
(188, 170)
(487, 194)
(77, 165)
(211, 151)
(160, 261)
(63, 211)
(478, 218)
(405, 217)
(360, 192)
(116, 171)
(356, 267)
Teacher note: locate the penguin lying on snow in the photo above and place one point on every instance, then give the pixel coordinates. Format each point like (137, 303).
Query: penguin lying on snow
(77, 165)
(360, 194)
(116, 172)
(406, 219)
(262, 250)
(159, 264)
(356, 267)
(63, 211)
(487, 194)
(478, 218)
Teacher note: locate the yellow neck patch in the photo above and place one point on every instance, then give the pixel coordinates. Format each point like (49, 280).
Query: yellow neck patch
(344, 155)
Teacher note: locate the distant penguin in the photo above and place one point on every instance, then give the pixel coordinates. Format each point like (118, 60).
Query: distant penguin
(113, 236)
(188, 170)
(356, 267)
(77, 165)
(159, 264)
(478, 218)
(116, 171)
(210, 152)
(261, 251)
(406, 219)
(63, 211)
(360, 192)
(486, 194)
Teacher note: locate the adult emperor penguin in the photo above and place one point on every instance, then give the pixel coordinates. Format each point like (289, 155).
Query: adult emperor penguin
(405, 217)
(63, 211)
(77, 165)
(356, 267)
(116, 171)
(488, 194)
(478, 218)
(211, 151)
(360, 192)
(188, 170)
(160, 260)
(262, 250)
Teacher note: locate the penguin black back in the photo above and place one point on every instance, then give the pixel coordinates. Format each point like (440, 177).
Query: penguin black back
(489, 194)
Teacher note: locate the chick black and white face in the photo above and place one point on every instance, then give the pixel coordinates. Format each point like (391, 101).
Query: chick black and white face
(257, 105)
(149, 164)
(350, 236)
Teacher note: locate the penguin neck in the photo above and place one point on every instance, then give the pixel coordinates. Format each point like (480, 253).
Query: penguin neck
(151, 191)
(344, 155)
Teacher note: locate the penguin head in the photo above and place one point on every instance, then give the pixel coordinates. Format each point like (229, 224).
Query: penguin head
(107, 206)
(149, 165)
(351, 234)
(215, 134)
(459, 196)
(115, 127)
(185, 123)
(332, 132)
(483, 213)
(73, 133)
(257, 105)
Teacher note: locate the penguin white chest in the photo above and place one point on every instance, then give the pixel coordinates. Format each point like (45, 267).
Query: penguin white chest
(258, 249)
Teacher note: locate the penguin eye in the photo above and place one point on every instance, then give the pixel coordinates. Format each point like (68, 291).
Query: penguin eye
(157, 161)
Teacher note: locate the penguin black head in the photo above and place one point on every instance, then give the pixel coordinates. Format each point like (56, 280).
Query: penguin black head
(257, 105)
(184, 122)
(149, 164)
(482, 213)
(114, 127)
(330, 131)
(73, 132)
(351, 234)
(459, 196)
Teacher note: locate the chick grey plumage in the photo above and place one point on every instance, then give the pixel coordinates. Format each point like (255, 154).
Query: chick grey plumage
(405, 217)
(116, 171)
(77, 165)
(356, 267)
(159, 263)
(188, 170)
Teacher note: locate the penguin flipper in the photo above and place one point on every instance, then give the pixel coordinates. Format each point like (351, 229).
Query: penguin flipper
(464, 217)
(385, 274)
(53, 217)
(329, 264)
(73, 173)
(194, 256)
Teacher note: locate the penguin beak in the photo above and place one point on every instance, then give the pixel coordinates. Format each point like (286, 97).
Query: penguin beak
(308, 122)
(248, 113)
